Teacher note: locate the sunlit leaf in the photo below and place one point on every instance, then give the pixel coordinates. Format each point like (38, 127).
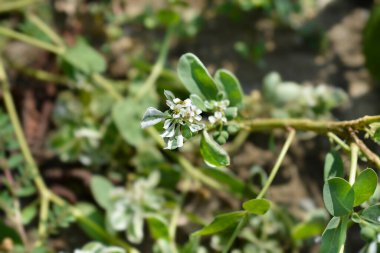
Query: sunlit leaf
(256, 206)
(364, 186)
(213, 154)
(220, 223)
(338, 196)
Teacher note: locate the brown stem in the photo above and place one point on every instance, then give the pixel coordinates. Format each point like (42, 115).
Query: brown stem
(372, 157)
(322, 127)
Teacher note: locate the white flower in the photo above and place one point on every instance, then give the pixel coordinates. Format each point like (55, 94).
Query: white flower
(181, 113)
(218, 117)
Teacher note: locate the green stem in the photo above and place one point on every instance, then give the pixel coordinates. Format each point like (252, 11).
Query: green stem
(27, 39)
(9, 104)
(272, 175)
(14, 5)
(186, 165)
(278, 163)
(46, 30)
(236, 232)
(45, 194)
(339, 141)
(44, 213)
(158, 66)
(108, 86)
(340, 128)
(354, 163)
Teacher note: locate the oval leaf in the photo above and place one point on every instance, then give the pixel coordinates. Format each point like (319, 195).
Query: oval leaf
(151, 117)
(230, 84)
(221, 222)
(338, 196)
(364, 186)
(196, 78)
(334, 235)
(127, 116)
(372, 214)
(213, 154)
(257, 206)
(100, 188)
(333, 166)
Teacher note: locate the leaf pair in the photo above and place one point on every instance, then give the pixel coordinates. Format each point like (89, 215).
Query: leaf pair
(198, 81)
(340, 198)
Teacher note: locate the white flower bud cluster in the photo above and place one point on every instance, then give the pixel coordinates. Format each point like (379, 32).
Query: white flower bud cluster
(219, 115)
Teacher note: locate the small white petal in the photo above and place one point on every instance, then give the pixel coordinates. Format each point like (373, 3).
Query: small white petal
(198, 118)
(211, 119)
(177, 100)
(169, 132)
(167, 123)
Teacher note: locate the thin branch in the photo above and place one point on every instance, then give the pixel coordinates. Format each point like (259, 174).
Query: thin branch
(339, 128)
(372, 157)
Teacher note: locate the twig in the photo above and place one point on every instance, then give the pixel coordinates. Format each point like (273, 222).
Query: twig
(14, 5)
(339, 128)
(372, 157)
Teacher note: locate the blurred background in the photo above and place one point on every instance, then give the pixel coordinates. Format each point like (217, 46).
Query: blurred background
(71, 62)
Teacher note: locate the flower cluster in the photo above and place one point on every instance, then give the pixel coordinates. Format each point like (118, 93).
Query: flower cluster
(183, 116)
(219, 108)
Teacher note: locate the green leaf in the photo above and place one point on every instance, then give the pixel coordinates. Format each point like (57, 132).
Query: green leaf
(270, 84)
(334, 235)
(8, 232)
(227, 178)
(256, 206)
(84, 58)
(28, 213)
(90, 212)
(228, 83)
(372, 214)
(198, 102)
(151, 117)
(127, 116)
(213, 154)
(364, 186)
(307, 229)
(158, 227)
(221, 222)
(333, 166)
(15, 161)
(338, 196)
(196, 78)
(100, 188)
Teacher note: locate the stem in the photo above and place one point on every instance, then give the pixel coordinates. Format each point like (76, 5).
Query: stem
(236, 232)
(9, 104)
(46, 30)
(108, 86)
(45, 194)
(354, 162)
(44, 213)
(365, 150)
(322, 127)
(186, 165)
(339, 141)
(27, 39)
(14, 5)
(278, 163)
(158, 66)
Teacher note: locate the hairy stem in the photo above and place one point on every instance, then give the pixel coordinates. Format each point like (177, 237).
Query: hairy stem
(339, 128)
(372, 157)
